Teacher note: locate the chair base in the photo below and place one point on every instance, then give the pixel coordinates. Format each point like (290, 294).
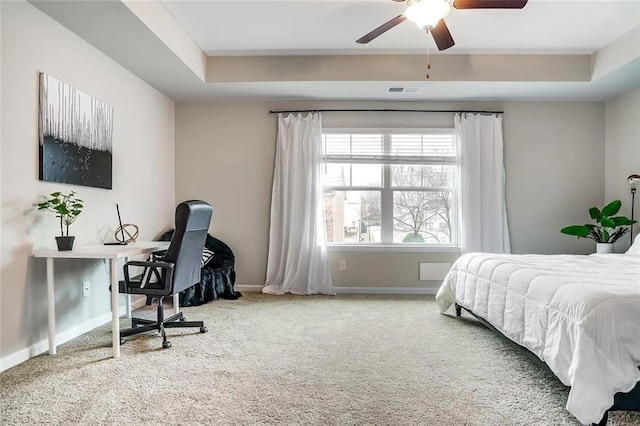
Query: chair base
(140, 325)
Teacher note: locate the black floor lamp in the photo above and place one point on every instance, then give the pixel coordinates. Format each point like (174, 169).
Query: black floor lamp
(634, 182)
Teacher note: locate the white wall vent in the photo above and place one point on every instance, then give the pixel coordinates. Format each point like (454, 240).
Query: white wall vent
(434, 271)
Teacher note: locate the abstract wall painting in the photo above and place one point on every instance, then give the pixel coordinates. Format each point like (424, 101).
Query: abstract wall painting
(75, 136)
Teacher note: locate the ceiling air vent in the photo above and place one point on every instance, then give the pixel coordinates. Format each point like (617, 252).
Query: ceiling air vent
(403, 90)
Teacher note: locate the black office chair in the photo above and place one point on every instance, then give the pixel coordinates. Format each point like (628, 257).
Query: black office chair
(175, 270)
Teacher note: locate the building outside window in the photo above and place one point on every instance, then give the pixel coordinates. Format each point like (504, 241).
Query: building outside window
(390, 186)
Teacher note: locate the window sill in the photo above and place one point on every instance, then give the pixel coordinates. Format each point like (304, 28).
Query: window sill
(393, 248)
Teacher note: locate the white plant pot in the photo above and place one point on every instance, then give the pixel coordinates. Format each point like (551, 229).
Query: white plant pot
(604, 248)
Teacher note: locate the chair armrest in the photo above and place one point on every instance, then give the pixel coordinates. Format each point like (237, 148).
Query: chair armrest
(151, 264)
(158, 255)
(150, 268)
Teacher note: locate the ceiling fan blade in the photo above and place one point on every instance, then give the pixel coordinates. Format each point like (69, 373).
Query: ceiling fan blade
(442, 36)
(489, 4)
(382, 29)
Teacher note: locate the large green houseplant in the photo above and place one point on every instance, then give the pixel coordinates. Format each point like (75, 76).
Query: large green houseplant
(67, 208)
(608, 228)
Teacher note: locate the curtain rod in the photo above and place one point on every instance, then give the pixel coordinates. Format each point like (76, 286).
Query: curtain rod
(450, 111)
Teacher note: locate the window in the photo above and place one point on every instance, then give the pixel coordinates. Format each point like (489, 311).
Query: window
(390, 187)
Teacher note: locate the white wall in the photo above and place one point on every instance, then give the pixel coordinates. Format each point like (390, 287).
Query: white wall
(554, 154)
(143, 174)
(623, 154)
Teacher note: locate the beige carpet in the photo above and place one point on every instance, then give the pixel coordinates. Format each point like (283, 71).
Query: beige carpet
(344, 360)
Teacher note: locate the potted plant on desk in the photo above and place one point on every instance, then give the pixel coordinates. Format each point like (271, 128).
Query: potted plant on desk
(607, 230)
(67, 208)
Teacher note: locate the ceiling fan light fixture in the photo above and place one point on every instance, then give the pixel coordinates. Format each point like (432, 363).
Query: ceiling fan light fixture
(427, 13)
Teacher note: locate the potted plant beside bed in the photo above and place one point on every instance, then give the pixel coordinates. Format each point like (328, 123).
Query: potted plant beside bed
(67, 208)
(607, 230)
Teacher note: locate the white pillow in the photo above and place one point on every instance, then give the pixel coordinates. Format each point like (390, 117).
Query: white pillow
(635, 247)
(207, 256)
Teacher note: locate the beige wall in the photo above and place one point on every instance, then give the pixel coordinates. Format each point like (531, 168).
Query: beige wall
(358, 68)
(554, 154)
(143, 174)
(554, 161)
(623, 153)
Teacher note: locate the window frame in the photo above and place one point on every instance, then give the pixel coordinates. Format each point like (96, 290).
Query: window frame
(387, 189)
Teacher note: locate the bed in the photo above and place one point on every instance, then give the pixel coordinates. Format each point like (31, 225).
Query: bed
(580, 315)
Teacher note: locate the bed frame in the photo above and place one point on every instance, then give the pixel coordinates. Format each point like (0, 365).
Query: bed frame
(629, 401)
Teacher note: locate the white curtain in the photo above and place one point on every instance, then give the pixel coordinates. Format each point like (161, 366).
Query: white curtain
(483, 209)
(298, 261)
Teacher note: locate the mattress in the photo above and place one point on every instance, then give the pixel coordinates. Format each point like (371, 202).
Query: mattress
(578, 314)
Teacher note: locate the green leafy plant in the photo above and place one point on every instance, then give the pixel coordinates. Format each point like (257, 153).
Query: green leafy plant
(66, 206)
(608, 229)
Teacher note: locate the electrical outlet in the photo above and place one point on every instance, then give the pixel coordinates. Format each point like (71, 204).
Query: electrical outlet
(342, 265)
(86, 288)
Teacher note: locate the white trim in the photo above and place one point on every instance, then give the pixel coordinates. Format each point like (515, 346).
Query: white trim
(249, 288)
(42, 346)
(385, 290)
(139, 302)
(393, 248)
(420, 160)
(357, 290)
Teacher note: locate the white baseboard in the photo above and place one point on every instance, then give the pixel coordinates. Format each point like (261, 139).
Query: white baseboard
(42, 346)
(385, 290)
(139, 302)
(357, 290)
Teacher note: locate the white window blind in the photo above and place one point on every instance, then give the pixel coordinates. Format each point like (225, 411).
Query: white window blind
(432, 148)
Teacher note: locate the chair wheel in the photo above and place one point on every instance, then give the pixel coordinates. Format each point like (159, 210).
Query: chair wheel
(166, 345)
(203, 329)
(183, 319)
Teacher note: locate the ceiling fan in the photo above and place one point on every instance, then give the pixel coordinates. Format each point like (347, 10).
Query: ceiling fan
(429, 15)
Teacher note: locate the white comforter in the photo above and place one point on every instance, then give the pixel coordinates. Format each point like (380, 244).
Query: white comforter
(579, 314)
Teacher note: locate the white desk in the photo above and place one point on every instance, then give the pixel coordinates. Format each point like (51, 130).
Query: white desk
(112, 253)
